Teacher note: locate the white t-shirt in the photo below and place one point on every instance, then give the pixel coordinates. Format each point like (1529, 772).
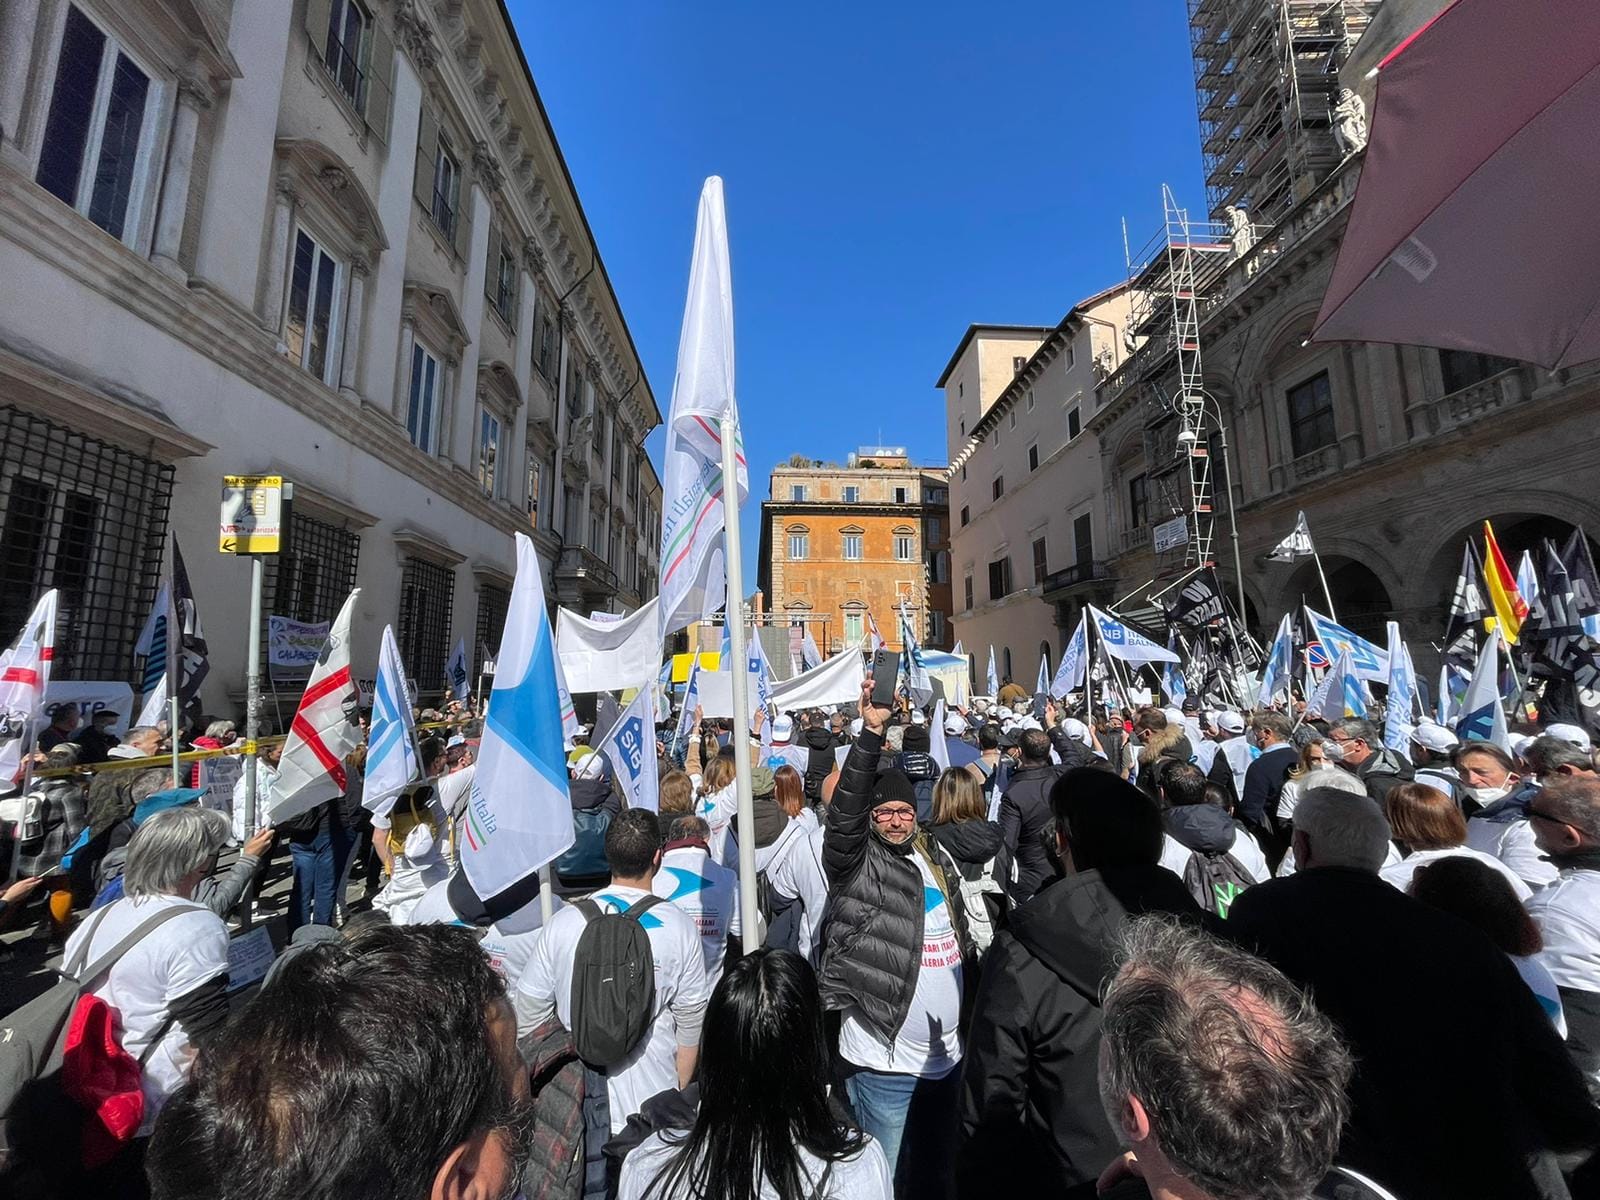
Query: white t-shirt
(1400, 873)
(789, 755)
(709, 893)
(863, 1176)
(718, 810)
(928, 1044)
(800, 877)
(452, 788)
(1246, 852)
(413, 874)
(509, 943)
(169, 963)
(680, 972)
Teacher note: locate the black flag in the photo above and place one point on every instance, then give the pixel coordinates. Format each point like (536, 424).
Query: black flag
(1467, 613)
(1199, 602)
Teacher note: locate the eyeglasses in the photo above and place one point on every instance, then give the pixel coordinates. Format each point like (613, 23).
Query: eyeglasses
(886, 816)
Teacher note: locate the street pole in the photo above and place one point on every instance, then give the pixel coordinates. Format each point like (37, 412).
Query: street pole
(1233, 520)
(738, 651)
(252, 721)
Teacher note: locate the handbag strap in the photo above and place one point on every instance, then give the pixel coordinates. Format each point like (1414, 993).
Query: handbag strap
(106, 961)
(70, 967)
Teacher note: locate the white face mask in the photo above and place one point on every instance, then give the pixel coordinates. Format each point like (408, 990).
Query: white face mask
(1488, 795)
(1332, 752)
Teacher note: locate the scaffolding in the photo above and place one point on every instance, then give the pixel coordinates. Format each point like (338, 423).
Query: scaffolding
(1168, 279)
(1266, 83)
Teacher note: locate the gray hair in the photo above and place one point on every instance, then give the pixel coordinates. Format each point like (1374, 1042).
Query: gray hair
(1359, 727)
(1344, 829)
(170, 845)
(688, 826)
(894, 739)
(1573, 801)
(1545, 755)
(1307, 735)
(1242, 1077)
(221, 729)
(63, 754)
(140, 732)
(1334, 778)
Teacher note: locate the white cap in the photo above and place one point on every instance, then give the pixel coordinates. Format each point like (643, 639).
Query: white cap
(917, 718)
(1175, 715)
(856, 727)
(1230, 722)
(1077, 730)
(1029, 723)
(955, 723)
(1571, 734)
(1432, 736)
(1519, 742)
(782, 728)
(592, 766)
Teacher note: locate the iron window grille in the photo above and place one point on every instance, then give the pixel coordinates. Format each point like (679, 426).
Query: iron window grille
(493, 602)
(427, 592)
(89, 519)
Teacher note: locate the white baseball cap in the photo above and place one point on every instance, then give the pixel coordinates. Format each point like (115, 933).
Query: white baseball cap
(782, 728)
(1571, 734)
(955, 723)
(917, 718)
(1230, 722)
(1432, 736)
(1519, 743)
(593, 766)
(1077, 730)
(1175, 715)
(856, 727)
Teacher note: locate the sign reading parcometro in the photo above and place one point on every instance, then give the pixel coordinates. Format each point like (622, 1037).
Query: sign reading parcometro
(252, 514)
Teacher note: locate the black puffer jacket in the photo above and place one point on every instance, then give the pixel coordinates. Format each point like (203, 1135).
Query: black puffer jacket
(819, 745)
(971, 843)
(1030, 1100)
(873, 942)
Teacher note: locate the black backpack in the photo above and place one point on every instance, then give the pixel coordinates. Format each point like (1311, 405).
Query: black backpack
(613, 982)
(1215, 880)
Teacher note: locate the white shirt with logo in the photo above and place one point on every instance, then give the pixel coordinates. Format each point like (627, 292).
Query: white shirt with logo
(928, 1044)
(709, 893)
(680, 974)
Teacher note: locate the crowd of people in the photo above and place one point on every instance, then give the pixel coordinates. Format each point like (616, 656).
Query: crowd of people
(1031, 950)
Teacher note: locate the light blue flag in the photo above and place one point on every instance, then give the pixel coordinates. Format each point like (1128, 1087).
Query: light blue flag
(1279, 668)
(994, 676)
(630, 748)
(1370, 662)
(1400, 705)
(757, 667)
(1341, 693)
(1128, 644)
(1070, 675)
(1483, 718)
(392, 759)
(918, 684)
(1042, 684)
(519, 816)
(691, 701)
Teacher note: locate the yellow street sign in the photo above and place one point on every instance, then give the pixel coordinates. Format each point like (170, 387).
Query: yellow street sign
(252, 514)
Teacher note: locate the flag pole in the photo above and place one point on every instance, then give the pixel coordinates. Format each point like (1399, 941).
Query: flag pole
(740, 681)
(1327, 595)
(174, 634)
(252, 723)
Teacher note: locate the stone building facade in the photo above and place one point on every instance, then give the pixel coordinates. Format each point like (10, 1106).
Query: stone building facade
(329, 239)
(839, 543)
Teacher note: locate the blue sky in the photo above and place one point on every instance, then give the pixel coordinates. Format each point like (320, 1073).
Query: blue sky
(893, 172)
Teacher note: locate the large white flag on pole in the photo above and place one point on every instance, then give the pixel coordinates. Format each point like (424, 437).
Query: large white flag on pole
(324, 730)
(938, 746)
(519, 816)
(1399, 708)
(1483, 716)
(1121, 641)
(693, 514)
(1072, 672)
(598, 656)
(24, 676)
(630, 748)
(392, 758)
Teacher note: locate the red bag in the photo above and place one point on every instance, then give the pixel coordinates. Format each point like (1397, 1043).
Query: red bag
(104, 1079)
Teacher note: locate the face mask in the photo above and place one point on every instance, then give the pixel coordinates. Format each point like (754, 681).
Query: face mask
(1333, 752)
(1488, 795)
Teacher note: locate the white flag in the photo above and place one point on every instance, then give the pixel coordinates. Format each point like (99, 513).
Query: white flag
(599, 656)
(1042, 684)
(24, 676)
(693, 512)
(155, 708)
(323, 732)
(456, 674)
(630, 748)
(1483, 717)
(938, 746)
(1275, 675)
(874, 638)
(1128, 644)
(1340, 694)
(520, 815)
(1296, 545)
(993, 679)
(392, 759)
(837, 681)
(810, 656)
(1074, 661)
(1399, 708)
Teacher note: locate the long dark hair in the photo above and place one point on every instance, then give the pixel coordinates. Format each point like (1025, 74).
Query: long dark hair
(763, 1088)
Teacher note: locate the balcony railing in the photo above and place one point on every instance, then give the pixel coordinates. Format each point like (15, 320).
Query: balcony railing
(1430, 417)
(1132, 539)
(1078, 574)
(579, 564)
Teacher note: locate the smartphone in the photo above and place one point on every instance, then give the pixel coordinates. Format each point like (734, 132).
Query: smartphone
(885, 676)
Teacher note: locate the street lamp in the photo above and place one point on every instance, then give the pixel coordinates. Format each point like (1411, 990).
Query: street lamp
(1199, 405)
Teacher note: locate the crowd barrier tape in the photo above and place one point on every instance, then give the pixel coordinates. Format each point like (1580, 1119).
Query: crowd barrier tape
(163, 762)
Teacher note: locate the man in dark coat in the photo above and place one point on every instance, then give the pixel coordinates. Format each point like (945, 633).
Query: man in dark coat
(1025, 807)
(1031, 1119)
(1361, 750)
(1462, 1087)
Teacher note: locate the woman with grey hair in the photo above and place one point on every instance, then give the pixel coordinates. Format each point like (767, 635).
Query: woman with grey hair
(170, 988)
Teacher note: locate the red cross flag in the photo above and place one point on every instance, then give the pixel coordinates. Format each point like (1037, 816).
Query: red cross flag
(324, 731)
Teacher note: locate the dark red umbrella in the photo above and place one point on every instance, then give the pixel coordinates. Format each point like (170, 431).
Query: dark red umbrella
(1476, 224)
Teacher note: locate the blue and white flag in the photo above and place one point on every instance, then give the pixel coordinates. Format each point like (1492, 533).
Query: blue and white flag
(1174, 684)
(392, 759)
(1483, 717)
(1400, 706)
(759, 670)
(456, 676)
(1070, 675)
(1341, 693)
(520, 815)
(1279, 668)
(1528, 579)
(1128, 644)
(630, 748)
(993, 679)
(1370, 662)
(691, 701)
(918, 684)
(1042, 684)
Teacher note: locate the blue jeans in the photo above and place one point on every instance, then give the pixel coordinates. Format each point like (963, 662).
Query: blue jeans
(915, 1120)
(316, 865)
